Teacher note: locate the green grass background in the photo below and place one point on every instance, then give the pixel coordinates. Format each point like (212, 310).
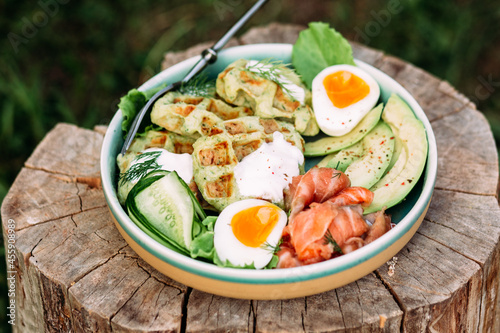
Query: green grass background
(83, 55)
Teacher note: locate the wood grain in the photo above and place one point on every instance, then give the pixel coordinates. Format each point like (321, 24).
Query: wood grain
(75, 273)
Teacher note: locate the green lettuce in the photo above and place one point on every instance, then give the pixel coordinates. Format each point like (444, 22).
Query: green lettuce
(130, 104)
(272, 264)
(319, 47)
(133, 102)
(202, 245)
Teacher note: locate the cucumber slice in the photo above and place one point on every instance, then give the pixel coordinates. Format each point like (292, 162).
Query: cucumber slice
(161, 205)
(200, 212)
(332, 144)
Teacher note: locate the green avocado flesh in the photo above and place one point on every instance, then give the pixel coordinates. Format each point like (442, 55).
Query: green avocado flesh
(332, 144)
(366, 161)
(378, 146)
(342, 159)
(408, 160)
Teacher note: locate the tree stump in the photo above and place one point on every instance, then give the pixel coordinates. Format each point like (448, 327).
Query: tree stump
(73, 272)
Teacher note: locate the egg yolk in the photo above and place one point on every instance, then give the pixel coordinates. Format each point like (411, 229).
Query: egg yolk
(344, 88)
(253, 225)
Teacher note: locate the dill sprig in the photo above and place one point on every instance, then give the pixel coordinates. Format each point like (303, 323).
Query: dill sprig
(199, 86)
(329, 239)
(146, 163)
(271, 248)
(336, 175)
(272, 70)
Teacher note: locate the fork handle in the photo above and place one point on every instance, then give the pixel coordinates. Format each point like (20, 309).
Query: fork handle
(209, 55)
(237, 26)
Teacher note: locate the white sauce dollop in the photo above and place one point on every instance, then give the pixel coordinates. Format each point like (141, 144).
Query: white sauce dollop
(296, 91)
(266, 172)
(181, 163)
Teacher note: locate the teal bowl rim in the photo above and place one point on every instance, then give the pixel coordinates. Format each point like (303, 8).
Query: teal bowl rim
(112, 144)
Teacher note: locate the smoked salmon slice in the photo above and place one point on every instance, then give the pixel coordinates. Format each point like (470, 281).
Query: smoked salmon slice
(287, 256)
(380, 226)
(317, 233)
(326, 218)
(353, 196)
(316, 185)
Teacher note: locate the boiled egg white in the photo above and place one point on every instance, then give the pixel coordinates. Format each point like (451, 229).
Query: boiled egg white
(342, 95)
(247, 232)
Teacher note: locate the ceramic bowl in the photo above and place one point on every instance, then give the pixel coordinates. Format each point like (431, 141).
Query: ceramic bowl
(277, 283)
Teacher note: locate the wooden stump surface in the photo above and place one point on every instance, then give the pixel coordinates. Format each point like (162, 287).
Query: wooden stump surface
(75, 273)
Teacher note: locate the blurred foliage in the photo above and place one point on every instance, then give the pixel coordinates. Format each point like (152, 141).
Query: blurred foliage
(73, 63)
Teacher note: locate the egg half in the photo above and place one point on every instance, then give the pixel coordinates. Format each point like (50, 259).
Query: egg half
(248, 231)
(342, 95)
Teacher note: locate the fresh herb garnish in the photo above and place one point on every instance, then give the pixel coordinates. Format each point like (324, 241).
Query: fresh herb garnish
(329, 239)
(199, 86)
(146, 163)
(336, 174)
(271, 70)
(272, 248)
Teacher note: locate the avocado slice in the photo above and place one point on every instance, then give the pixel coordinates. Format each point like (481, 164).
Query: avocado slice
(342, 159)
(408, 163)
(378, 146)
(332, 144)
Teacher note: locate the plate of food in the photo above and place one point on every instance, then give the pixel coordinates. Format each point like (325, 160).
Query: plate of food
(282, 171)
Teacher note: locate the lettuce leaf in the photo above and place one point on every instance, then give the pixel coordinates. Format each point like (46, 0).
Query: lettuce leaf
(133, 102)
(130, 105)
(202, 246)
(319, 47)
(272, 264)
(209, 222)
(227, 263)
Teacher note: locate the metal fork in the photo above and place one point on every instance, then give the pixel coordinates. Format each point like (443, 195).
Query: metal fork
(208, 56)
